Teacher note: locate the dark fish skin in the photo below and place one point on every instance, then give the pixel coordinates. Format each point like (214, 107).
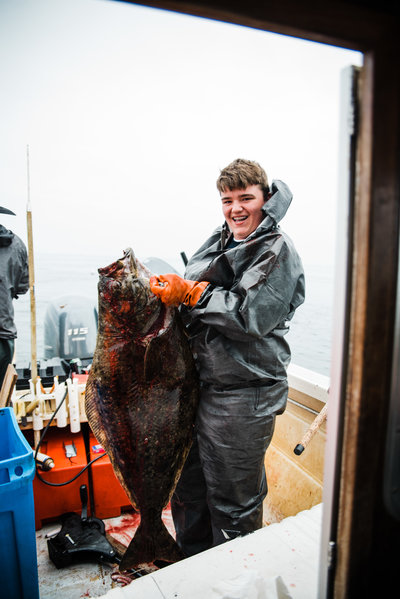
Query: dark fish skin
(141, 399)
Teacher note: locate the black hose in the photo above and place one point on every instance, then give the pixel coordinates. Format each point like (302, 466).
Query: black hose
(47, 482)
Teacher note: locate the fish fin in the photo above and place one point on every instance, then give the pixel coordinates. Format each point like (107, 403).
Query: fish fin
(91, 411)
(145, 548)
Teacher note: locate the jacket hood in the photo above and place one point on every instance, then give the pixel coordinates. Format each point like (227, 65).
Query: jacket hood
(6, 236)
(279, 202)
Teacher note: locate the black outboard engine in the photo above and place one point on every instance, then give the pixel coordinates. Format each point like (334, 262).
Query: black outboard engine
(70, 330)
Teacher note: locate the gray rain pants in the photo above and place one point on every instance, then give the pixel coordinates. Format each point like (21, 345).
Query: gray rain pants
(223, 484)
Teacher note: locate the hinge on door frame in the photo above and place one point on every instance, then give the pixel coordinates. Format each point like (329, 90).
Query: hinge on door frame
(353, 108)
(331, 555)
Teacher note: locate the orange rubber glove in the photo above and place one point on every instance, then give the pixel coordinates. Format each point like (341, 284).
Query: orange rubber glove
(173, 290)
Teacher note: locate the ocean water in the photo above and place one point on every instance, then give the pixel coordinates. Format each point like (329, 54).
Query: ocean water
(58, 276)
(310, 334)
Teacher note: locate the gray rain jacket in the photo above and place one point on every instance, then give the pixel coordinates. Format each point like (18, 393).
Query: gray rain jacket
(14, 279)
(238, 326)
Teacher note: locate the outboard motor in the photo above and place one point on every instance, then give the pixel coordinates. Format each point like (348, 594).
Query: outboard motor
(70, 330)
(159, 266)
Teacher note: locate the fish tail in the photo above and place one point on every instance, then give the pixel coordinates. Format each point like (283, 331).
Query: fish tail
(146, 548)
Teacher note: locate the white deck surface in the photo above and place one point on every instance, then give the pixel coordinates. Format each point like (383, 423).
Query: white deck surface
(279, 561)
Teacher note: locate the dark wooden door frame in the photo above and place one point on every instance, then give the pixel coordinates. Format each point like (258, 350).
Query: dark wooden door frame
(366, 535)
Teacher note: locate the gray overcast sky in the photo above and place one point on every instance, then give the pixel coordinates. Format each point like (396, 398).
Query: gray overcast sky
(130, 113)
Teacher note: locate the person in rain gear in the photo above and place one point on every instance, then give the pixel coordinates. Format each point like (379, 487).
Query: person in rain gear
(14, 281)
(238, 294)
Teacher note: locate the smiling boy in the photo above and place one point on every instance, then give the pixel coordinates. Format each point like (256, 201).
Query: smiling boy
(240, 290)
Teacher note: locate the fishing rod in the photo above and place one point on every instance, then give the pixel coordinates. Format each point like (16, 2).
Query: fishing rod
(31, 268)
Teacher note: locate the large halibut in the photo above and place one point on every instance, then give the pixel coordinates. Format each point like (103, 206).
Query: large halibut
(141, 400)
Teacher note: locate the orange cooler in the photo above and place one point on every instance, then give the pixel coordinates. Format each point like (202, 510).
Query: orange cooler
(51, 502)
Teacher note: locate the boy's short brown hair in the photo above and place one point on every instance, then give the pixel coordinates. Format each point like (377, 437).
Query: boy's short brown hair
(241, 173)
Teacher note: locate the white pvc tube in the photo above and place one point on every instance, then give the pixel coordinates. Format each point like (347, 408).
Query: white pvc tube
(62, 412)
(73, 401)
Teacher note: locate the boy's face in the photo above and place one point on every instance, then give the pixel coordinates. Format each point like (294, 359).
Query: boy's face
(242, 210)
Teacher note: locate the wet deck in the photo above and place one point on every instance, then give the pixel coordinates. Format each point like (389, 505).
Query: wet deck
(281, 558)
(86, 579)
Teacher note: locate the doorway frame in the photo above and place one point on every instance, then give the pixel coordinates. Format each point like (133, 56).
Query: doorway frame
(365, 531)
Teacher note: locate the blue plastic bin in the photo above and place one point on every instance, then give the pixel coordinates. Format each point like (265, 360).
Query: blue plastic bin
(18, 560)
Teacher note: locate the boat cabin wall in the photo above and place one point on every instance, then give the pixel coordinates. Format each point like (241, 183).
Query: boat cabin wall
(295, 482)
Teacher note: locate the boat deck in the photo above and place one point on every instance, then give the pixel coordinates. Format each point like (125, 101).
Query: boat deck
(278, 561)
(86, 579)
(288, 547)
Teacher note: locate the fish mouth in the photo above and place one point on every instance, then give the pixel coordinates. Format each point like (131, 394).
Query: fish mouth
(135, 265)
(127, 265)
